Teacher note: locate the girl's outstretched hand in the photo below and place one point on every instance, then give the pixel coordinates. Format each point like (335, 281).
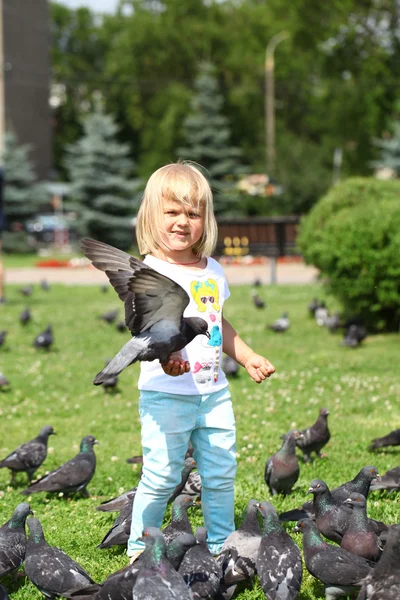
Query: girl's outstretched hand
(176, 365)
(258, 367)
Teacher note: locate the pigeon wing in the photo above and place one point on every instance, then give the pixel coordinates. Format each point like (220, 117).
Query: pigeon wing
(148, 296)
(71, 474)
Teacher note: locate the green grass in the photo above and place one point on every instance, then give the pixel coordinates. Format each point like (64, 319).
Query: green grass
(360, 387)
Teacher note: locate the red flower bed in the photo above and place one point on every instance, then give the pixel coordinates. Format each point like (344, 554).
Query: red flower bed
(52, 262)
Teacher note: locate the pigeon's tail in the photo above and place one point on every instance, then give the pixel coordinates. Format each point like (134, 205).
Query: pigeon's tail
(125, 357)
(83, 594)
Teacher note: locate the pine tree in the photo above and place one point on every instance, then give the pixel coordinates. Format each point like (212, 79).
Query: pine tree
(207, 134)
(99, 168)
(23, 195)
(390, 151)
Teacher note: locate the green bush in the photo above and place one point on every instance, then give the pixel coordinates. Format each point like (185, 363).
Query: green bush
(353, 236)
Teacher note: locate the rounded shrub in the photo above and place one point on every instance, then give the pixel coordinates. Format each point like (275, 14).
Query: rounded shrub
(353, 236)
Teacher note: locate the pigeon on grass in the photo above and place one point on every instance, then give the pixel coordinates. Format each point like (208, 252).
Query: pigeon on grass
(26, 291)
(199, 569)
(25, 316)
(389, 481)
(354, 335)
(331, 517)
(282, 468)
(360, 484)
(4, 383)
(73, 476)
(180, 522)
(50, 569)
(13, 539)
(391, 439)
(229, 366)
(315, 437)
(44, 339)
(340, 571)
(359, 537)
(109, 316)
(154, 306)
(28, 456)
(278, 563)
(281, 325)
(383, 582)
(257, 301)
(3, 335)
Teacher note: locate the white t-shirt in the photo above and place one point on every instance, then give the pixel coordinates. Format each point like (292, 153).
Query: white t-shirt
(207, 290)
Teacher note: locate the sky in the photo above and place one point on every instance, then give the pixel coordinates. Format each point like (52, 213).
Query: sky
(95, 5)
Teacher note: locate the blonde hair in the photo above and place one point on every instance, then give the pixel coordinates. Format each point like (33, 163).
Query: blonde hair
(182, 182)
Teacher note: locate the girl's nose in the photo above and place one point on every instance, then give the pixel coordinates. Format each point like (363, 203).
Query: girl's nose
(183, 218)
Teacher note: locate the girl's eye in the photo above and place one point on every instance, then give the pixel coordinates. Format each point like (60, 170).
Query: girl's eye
(194, 215)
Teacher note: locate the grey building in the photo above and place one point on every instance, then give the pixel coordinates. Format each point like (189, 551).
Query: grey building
(25, 77)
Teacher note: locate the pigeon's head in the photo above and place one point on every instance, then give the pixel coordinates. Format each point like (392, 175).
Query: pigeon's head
(19, 515)
(201, 535)
(265, 509)
(355, 500)
(35, 530)
(46, 431)
(317, 486)
(324, 412)
(198, 325)
(189, 464)
(304, 525)
(87, 443)
(370, 473)
(150, 534)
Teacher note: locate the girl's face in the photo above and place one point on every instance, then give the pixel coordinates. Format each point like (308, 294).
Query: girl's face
(183, 225)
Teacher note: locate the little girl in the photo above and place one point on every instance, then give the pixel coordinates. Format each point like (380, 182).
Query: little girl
(177, 231)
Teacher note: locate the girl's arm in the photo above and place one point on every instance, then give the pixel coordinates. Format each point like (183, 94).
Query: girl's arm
(258, 367)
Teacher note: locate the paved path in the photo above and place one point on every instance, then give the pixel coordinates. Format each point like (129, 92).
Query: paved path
(296, 273)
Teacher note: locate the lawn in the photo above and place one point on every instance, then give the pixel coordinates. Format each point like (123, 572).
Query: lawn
(359, 386)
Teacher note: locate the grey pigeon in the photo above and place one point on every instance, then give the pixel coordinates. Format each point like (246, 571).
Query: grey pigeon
(25, 316)
(354, 335)
(389, 481)
(360, 484)
(383, 582)
(334, 322)
(154, 306)
(229, 366)
(239, 552)
(331, 517)
(13, 539)
(157, 579)
(72, 476)
(28, 456)
(281, 325)
(44, 339)
(118, 503)
(282, 468)
(340, 571)
(199, 569)
(109, 316)
(4, 382)
(135, 460)
(312, 307)
(121, 327)
(26, 291)
(193, 485)
(391, 439)
(45, 286)
(257, 301)
(278, 561)
(359, 537)
(315, 437)
(3, 335)
(50, 569)
(180, 522)
(177, 549)
(3, 593)
(321, 314)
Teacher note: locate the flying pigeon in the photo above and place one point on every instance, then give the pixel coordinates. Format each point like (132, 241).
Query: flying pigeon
(72, 476)
(278, 561)
(26, 291)
(229, 366)
(383, 582)
(50, 569)
(354, 335)
(389, 481)
(109, 316)
(25, 316)
(13, 539)
(180, 522)
(315, 437)
(154, 306)
(28, 456)
(157, 579)
(200, 571)
(360, 484)
(3, 335)
(391, 439)
(359, 538)
(257, 301)
(239, 552)
(282, 468)
(44, 339)
(340, 571)
(282, 324)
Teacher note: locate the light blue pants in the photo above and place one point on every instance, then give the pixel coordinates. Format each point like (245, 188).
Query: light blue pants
(169, 421)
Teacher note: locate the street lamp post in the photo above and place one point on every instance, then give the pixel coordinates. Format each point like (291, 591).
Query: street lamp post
(270, 100)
